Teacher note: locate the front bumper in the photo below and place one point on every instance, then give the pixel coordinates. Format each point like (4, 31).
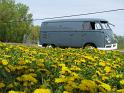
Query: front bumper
(109, 47)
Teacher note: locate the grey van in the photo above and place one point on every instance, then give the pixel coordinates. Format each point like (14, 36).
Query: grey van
(77, 33)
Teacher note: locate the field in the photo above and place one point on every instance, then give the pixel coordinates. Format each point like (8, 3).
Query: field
(30, 69)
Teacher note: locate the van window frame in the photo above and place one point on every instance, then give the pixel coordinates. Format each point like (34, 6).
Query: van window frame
(92, 25)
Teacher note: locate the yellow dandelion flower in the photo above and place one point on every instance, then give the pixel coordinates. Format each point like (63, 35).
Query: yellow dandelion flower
(106, 87)
(62, 65)
(25, 83)
(83, 60)
(34, 52)
(66, 92)
(75, 75)
(122, 82)
(22, 62)
(2, 85)
(8, 70)
(120, 91)
(107, 69)
(88, 86)
(119, 75)
(75, 68)
(98, 73)
(102, 64)
(68, 88)
(42, 60)
(42, 91)
(104, 78)
(10, 86)
(61, 59)
(4, 62)
(41, 65)
(27, 78)
(15, 91)
(60, 80)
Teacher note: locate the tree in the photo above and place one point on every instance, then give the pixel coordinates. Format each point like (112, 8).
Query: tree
(15, 21)
(120, 41)
(33, 37)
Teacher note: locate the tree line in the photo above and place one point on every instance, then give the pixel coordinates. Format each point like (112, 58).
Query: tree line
(14, 26)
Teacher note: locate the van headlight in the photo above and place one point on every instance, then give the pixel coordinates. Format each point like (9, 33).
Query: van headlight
(108, 40)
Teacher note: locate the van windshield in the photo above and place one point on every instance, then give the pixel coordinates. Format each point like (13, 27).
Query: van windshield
(105, 25)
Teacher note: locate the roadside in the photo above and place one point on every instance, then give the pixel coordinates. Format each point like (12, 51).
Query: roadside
(122, 51)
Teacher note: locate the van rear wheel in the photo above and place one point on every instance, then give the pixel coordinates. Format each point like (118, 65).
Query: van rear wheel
(51, 46)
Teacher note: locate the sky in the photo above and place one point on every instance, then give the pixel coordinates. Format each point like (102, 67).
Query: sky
(55, 8)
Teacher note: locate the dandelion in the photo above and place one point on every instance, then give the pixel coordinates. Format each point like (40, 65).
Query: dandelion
(102, 64)
(4, 62)
(122, 82)
(10, 86)
(15, 91)
(42, 91)
(68, 87)
(88, 86)
(75, 68)
(105, 87)
(8, 70)
(120, 91)
(104, 78)
(60, 80)
(21, 62)
(65, 70)
(27, 78)
(119, 75)
(2, 85)
(107, 69)
(66, 92)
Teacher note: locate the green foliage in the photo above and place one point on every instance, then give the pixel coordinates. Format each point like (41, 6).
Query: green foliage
(34, 34)
(120, 41)
(12, 24)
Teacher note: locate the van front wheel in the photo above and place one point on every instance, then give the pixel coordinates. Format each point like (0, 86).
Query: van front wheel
(89, 46)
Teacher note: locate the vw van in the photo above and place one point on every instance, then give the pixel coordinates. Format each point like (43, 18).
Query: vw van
(77, 33)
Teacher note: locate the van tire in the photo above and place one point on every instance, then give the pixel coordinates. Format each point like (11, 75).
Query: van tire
(44, 45)
(89, 46)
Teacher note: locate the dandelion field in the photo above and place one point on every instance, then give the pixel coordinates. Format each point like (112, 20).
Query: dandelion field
(25, 69)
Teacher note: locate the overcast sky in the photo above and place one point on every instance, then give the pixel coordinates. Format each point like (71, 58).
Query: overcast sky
(52, 8)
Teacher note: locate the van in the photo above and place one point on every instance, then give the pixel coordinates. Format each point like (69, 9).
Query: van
(78, 33)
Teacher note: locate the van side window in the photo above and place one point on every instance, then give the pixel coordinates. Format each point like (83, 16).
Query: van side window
(86, 26)
(91, 26)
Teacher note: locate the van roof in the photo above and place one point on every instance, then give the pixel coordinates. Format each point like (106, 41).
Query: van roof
(75, 20)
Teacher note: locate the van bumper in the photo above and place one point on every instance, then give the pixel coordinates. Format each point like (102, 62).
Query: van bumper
(109, 47)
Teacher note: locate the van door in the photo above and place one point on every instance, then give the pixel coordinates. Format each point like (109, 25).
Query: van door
(75, 34)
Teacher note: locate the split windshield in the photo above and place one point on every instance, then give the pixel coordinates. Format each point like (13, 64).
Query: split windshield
(105, 25)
